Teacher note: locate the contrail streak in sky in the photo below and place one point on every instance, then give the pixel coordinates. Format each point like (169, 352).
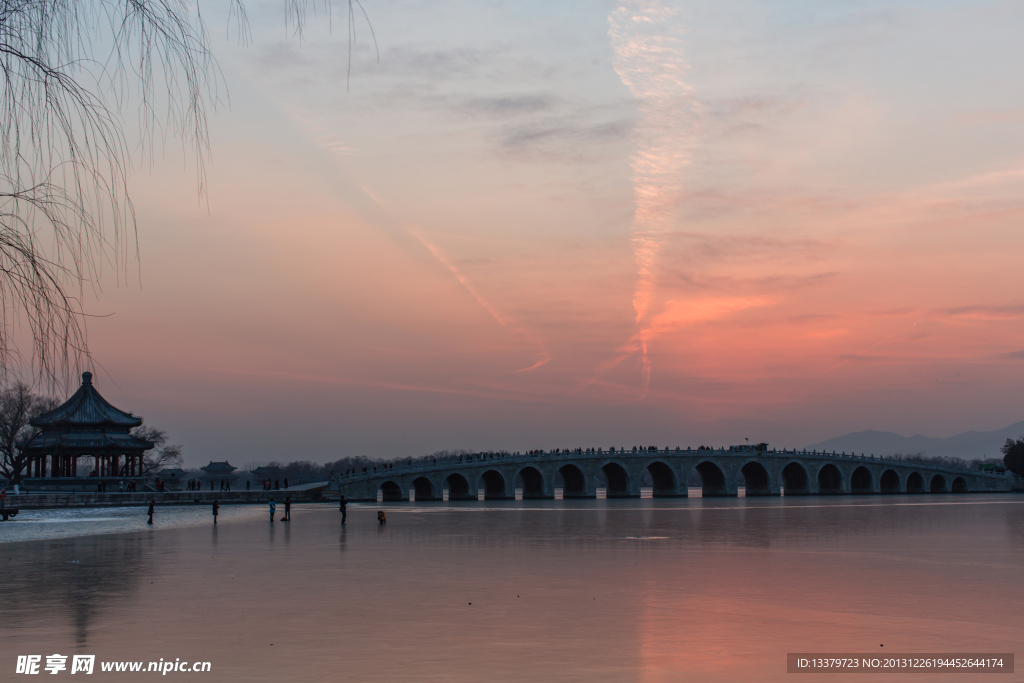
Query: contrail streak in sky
(649, 59)
(443, 260)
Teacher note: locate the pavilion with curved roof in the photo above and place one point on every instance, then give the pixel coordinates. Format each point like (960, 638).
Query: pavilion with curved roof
(85, 425)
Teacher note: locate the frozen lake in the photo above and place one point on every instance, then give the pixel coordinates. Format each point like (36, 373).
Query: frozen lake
(711, 589)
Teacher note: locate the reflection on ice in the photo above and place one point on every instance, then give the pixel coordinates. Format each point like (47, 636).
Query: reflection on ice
(32, 525)
(613, 590)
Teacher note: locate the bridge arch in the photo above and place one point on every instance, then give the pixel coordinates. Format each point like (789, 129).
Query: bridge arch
(915, 483)
(757, 478)
(938, 484)
(959, 485)
(618, 479)
(663, 477)
(830, 479)
(458, 486)
(574, 482)
(861, 481)
(391, 490)
(424, 488)
(889, 482)
(493, 484)
(794, 478)
(533, 481)
(712, 478)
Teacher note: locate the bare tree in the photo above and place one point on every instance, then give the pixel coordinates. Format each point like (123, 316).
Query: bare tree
(162, 455)
(18, 405)
(72, 72)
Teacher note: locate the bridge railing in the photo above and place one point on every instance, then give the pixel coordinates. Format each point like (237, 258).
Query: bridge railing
(477, 459)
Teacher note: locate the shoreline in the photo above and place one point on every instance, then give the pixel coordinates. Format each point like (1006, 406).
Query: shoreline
(59, 500)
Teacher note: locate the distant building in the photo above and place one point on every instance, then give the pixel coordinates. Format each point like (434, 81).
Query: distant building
(216, 472)
(173, 478)
(265, 472)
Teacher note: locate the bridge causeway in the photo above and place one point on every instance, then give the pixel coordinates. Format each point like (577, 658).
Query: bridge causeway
(581, 473)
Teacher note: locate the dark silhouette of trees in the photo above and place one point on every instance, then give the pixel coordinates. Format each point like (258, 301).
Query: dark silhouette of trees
(72, 73)
(1013, 456)
(19, 404)
(162, 455)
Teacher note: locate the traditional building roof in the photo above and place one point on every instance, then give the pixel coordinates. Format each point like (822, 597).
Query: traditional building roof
(168, 472)
(86, 424)
(87, 442)
(218, 467)
(86, 409)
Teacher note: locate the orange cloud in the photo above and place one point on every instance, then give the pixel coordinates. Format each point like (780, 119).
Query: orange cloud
(680, 313)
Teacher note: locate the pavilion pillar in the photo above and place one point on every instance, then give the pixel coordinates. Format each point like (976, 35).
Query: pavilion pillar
(74, 466)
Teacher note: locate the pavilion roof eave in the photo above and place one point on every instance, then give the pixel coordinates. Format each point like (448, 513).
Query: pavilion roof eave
(86, 443)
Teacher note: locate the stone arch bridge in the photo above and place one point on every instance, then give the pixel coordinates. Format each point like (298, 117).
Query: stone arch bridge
(620, 473)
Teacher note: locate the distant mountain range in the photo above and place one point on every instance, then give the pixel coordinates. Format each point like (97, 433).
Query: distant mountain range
(969, 445)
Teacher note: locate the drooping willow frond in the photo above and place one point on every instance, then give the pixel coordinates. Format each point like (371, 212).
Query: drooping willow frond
(74, 77)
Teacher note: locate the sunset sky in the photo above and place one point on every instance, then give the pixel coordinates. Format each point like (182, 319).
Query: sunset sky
(540, 225)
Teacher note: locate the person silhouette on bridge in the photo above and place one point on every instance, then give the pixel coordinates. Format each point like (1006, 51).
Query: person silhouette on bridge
(341, 506)
(216, 509)
(287, 509)
(152, 505)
